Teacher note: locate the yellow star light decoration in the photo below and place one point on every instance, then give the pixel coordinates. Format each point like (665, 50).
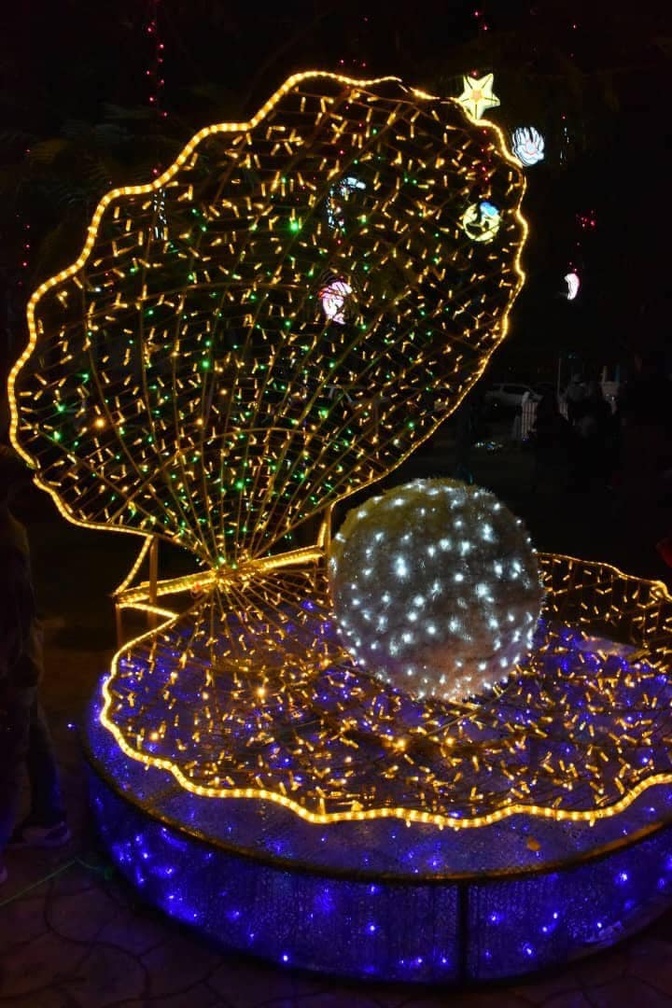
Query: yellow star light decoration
(183, 383)
(477, 95)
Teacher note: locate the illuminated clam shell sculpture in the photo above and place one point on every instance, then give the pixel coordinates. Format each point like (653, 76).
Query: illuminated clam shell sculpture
(273, 324)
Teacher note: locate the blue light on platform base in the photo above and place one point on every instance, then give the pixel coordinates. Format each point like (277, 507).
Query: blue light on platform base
(418, 930)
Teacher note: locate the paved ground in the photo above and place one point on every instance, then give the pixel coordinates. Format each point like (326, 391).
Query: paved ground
(73, 934)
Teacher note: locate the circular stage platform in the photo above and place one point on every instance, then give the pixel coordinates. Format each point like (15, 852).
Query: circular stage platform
(372, 836)
(382, 899)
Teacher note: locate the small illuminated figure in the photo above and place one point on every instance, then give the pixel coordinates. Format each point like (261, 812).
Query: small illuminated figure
(159, 207)
(573, 284)
(477, 96)
(527, 144)
(481, 221)
(334, 296)
(338, 194)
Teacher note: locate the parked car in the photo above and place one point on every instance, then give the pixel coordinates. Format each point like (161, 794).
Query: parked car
(509, 395)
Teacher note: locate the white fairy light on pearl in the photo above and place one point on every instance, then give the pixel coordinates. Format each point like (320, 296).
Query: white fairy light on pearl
(457, 611)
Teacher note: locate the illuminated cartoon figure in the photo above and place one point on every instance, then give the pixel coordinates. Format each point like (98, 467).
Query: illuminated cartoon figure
(338, 195)
(477, 95)
(334, 297)
(481, 221)
(527, 144)
(573, 283)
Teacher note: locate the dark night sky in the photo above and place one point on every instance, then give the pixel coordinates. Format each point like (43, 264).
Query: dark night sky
(85, 53)
(605, 69)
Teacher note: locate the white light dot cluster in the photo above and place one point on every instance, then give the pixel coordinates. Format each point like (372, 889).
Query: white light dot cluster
(436, 588)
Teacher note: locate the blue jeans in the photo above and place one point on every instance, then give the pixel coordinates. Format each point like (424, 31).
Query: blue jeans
(25, 740)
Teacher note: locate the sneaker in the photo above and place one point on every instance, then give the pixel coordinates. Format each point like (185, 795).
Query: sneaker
(28, 834)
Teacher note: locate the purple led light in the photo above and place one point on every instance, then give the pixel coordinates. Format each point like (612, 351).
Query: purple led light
(277, 924)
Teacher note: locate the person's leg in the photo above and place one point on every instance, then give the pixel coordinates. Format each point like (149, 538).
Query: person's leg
(15, 707)
(46, 803)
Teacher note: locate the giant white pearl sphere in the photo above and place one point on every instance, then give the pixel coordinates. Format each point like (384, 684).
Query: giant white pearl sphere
(436, 588)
